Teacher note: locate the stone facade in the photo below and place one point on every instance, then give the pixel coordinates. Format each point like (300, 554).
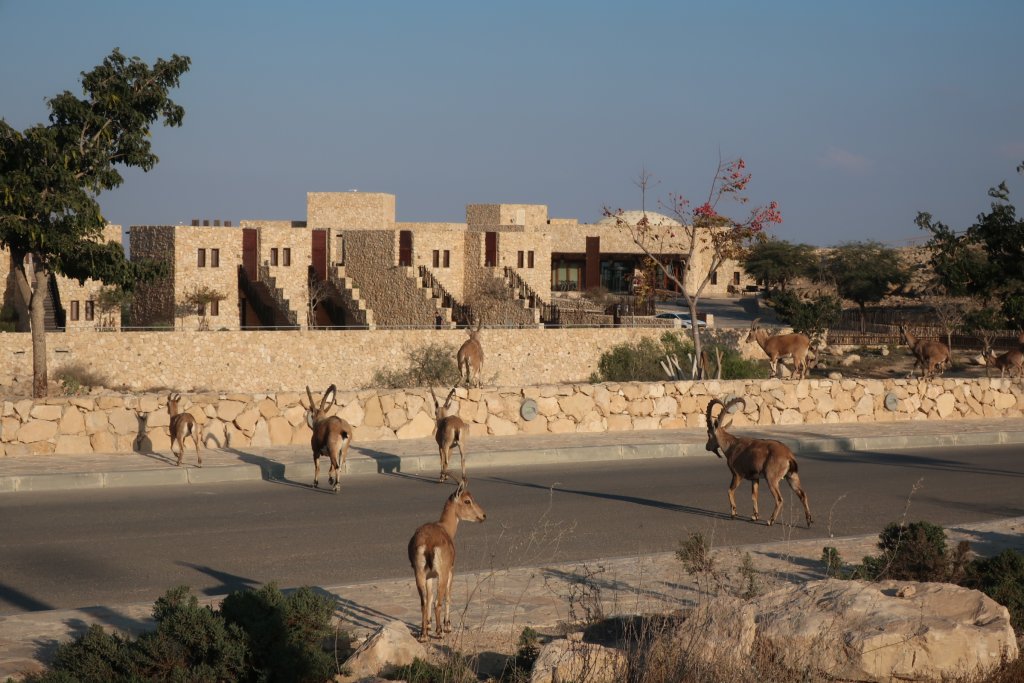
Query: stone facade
(350, 210)
(122, 423)
(392, 292)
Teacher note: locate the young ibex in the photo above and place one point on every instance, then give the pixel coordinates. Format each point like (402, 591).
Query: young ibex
(753, 459)
(182, 425)
(331, 436)
(782, 345)
(432, 555)
(470, 357)
(449, 430)
(929, 355)
(1012, 360)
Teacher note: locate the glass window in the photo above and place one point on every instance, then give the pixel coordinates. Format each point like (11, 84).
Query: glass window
(201, 260)
(447, 258)
(74, 310)
(529, 259)
(287, 256)
(90, 310)
(273, 256)
(736, 277)
(215, 258)
(214, 308)
(437, 258)
(520, 259)
(714, 277)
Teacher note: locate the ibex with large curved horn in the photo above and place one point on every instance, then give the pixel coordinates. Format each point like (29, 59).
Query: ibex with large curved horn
(432, 556)
(470, 357)
(753, 459)
(781, 345)
(449, 430)
(929, 355)
(182, 425)
(331, 436)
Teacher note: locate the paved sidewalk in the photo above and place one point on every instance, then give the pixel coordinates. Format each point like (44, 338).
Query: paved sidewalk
(493, 605)
(294, 463)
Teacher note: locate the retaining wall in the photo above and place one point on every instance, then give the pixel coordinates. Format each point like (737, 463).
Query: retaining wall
(123, 423)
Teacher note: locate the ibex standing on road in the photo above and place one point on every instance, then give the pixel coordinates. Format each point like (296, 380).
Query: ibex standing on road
(449, 430)
(929, 355)
(432, 556)
(470, 357)
(753, 459)
(331, 436)
(780, 346)
(182, 425)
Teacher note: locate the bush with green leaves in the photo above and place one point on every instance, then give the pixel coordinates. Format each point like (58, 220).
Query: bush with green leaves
(455, 669)
(259, 635)
(640, 361)
(1002, 579)
(431, 365)
(915, 552)
(808, 316)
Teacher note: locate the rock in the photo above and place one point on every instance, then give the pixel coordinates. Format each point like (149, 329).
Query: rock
(717, 631)
(389, 645)
(578, 661)
(850, 360)
(864, 631)
(419, 427)
(884, 351)
(835, 376)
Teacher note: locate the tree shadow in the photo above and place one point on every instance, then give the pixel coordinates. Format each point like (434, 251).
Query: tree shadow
(387, 463)
(917, 462)
(359, 615)
(229, 583)
(647, 502)
(22, 600)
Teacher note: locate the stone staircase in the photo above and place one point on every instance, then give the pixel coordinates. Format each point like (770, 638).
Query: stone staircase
(542, 312)
(346, 296)
(267, 299)
(450, 308)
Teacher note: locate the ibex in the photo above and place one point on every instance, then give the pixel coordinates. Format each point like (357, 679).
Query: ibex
(331, 436)
(470, 357)
(781, 345)
(753, 459)
(1012, 360)
(432, 555)
(449, 430)
(182, 425)
(929, 355)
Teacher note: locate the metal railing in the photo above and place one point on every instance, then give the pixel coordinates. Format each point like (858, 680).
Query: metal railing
(462, 314)
(271, 316)
(549, 313)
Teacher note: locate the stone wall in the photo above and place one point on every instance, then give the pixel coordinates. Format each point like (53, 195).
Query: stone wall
(450, 237)
(153, 302)
(292, 279)
(350, 210)
(123, 423)
(222, 278)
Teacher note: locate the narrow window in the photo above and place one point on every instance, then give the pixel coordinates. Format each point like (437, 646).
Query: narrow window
(201, 261)
(287, 256)
(447, 258)
(736, 277)
(520, 259)
(273, 256)
(214, 307)
(74, 310)
(714, 277)
(90, 310)
(437, 258)
(201, 310)
(529, 259)
(215, 258)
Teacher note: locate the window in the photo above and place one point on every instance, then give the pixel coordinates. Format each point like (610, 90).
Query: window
(529, 259)
(437, 258)
(447, 258)
(90, 310)
(201, 310)
(287, 256)
(735, 277)
(214, 307)
(201, 261)
(520, 259)
(714, 277)
(273, 256)
(215, 258)
(74, 310)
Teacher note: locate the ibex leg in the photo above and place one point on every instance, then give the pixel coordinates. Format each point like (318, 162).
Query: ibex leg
(773, 486)
(794, 483)
(195, 437)
(753, 498)
(316, 470)
(444, 595)
(736, 479)
(462, 459)
(423, 586)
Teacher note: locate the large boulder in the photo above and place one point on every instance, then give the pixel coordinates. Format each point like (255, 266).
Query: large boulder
(906, 631)
(390, 645)
(573, 660)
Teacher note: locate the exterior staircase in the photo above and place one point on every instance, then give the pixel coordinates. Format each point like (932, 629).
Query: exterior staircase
(267, 299)
(344, 304)
(450, 308)
(543, 312)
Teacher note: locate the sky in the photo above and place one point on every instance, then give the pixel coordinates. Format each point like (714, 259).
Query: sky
(853, 116)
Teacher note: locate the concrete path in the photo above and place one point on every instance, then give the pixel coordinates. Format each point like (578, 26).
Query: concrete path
(493, 606)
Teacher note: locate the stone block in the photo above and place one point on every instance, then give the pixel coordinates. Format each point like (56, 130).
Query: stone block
(417, 428)
(37, 430)
(70, 444)
(46, 412)
(229, 410)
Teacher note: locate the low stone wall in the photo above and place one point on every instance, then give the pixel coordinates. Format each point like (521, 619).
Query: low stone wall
(123, 423)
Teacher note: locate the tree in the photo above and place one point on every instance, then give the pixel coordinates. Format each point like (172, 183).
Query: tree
(985, 261)
(865, 272)
(51, 175)
(778, 262)
(702, 231)
(812, 317)
(197, 301)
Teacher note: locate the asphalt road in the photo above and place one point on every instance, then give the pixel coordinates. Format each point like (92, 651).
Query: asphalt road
(108, 547)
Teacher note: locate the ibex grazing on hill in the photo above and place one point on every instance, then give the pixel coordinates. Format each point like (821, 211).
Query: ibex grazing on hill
(470, 357)
(929, 354)
(432, 556)
(449, 430)
(781, 345)
(182, 425)
(753, 459)
(331, 436)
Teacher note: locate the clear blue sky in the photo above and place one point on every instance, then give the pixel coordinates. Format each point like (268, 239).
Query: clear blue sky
(853, 115)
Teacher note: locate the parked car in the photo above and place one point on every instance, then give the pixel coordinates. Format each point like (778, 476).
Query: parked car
(683, 318)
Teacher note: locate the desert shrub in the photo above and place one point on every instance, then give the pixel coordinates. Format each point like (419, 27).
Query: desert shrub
(638, 361)
(76, 378)
(455, 669)
(811, 316)
(430, 365)
(518, 667)
(915, 552)
(1002, 579)
(285, 632)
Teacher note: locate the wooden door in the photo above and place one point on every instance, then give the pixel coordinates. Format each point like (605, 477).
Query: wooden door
(592, 271)
(320, 254)
(491, 250)
(250, 252)
(405, 248)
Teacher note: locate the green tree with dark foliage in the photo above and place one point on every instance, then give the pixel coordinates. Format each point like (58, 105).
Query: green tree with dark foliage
(865, 272)
(51, 175)
(985, 261)
(775, 262)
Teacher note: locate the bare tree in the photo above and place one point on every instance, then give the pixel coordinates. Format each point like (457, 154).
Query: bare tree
(950, 312)
(319, 291)
(689, 253)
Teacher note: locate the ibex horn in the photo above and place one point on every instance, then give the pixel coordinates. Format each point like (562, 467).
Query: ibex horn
(448, 400)
(756, 321)
(312, 403)
(710, 420)
(434, 396)
(333, 393)
(725, 409)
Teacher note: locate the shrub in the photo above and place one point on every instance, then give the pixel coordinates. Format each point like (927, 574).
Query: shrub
(1002, 579)
(76, 378)
(638, 361)
(915, 552)
(454, 669)
(430, 365)
(518, 667)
